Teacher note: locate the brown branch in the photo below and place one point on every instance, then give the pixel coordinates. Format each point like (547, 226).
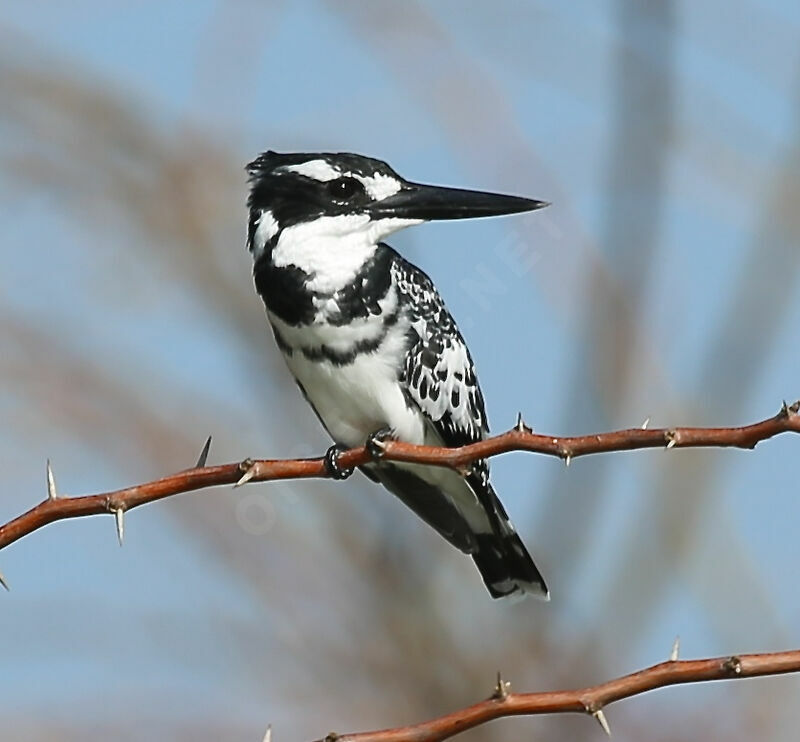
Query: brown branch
(520, 438)
(585, 700)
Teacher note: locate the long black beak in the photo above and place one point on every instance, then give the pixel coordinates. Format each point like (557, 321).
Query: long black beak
(416, 201)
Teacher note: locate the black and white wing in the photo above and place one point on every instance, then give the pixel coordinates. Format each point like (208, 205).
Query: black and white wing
(439, 375)
(439, 379)
(439, 382)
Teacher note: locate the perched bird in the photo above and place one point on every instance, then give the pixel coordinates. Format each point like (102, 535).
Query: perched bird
(370, 342)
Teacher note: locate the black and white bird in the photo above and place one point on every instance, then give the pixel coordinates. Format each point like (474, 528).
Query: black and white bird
(370, 342)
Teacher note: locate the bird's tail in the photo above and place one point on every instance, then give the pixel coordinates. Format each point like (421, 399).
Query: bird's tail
(506, 566)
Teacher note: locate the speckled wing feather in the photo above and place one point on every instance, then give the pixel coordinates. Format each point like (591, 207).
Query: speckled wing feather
(439, 376)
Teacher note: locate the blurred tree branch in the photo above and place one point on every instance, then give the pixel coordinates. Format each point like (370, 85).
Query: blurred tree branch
(520, 438)
(590, 700)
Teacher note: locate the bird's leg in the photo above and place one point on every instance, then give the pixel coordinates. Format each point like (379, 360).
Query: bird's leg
(332, 462)
(375, 441)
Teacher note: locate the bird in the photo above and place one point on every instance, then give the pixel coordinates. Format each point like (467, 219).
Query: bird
(370, 342)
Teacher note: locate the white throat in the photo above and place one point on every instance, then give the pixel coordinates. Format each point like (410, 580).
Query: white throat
(333, 248)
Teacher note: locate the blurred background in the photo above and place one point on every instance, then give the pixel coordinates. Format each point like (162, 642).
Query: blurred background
(661, 284)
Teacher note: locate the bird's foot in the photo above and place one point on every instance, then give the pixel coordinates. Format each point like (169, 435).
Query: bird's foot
(335, 471)
(376, 441)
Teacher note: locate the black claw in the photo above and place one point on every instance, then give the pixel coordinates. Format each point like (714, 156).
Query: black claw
(332, 462)
(375, 441)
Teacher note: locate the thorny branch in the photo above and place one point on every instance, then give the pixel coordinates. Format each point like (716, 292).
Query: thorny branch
(585, 700)
(520, 438)
(502, 702)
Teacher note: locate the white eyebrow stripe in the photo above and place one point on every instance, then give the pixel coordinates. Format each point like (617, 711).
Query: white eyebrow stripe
(379, 186)
(316, 169)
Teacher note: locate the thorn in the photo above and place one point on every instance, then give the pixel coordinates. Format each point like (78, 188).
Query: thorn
(520, 425)
(645, 423)
(119, 515)
(602, 721)
(671, 437)
(566, 454)
(203, 457)
(52, 492)
(732, 666)
(250, 469)
(675, 651)
(268, 733)
(784, 409)
(501, 688)
(4, 583)
(246, 477)
(567, 460)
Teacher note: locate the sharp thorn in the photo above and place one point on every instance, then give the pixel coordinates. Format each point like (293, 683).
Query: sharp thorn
(119, 519)
(247, 476)
(203, 457)
(268, 734)
(784, 409)
(567, 460)
(645, 423)
(52, 492)
(676, 648)
(4, 583)
(671, 443)
(732, 666)
(520, 425)
(602, 721)
(501, 688)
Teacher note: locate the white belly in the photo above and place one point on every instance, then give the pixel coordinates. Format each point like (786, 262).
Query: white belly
(361, 397)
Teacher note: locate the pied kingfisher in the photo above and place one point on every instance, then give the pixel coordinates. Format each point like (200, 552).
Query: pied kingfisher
(370, 342)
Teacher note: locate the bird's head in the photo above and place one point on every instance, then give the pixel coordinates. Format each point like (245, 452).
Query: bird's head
(353, 199)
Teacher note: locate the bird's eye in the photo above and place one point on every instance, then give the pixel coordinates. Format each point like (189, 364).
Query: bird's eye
(343, 189)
